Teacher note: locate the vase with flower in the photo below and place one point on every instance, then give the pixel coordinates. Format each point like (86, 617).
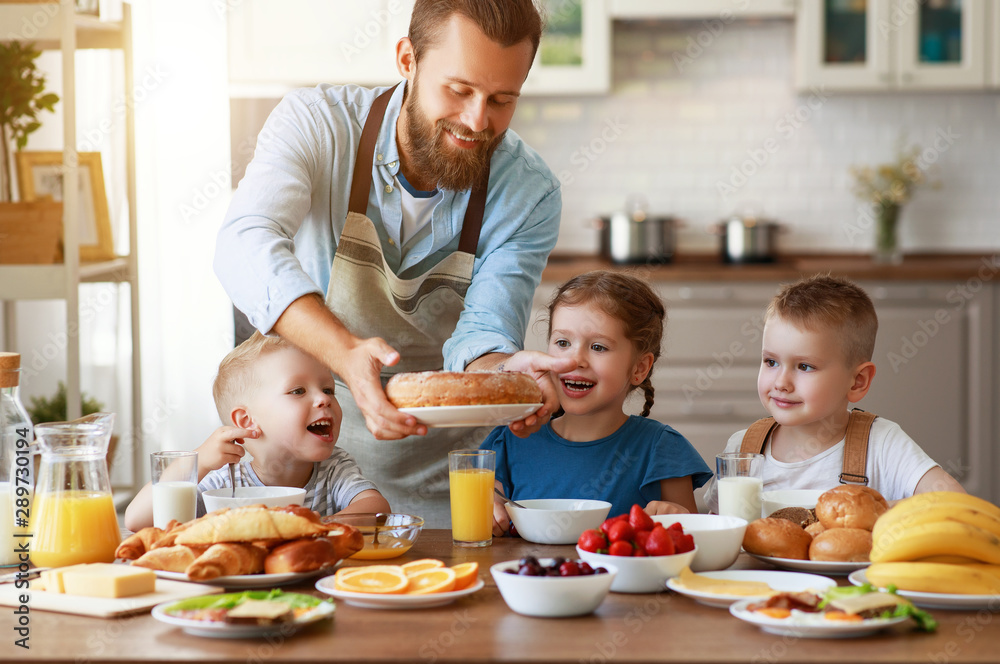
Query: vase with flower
(886, 188)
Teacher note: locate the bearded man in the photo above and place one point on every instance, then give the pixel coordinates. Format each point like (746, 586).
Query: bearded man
(404, 229)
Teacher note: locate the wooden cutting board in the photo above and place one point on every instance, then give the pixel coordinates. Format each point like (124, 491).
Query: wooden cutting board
(103, 607)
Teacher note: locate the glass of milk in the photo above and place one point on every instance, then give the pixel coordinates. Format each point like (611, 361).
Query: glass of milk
(175, 486)
(740, 478)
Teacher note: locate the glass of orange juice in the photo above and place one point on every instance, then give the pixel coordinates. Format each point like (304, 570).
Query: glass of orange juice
(470, 475)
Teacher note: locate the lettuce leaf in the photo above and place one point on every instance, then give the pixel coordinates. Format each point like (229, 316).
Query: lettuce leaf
(229, 600)
(925, 621)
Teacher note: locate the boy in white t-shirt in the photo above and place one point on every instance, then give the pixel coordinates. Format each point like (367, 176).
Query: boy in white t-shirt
(819, 336)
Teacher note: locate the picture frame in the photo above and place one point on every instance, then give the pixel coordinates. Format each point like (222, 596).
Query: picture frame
(574, 55)
(39, 176)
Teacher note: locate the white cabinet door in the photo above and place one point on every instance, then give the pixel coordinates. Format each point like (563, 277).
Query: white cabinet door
(941, 45)
(993, 43)
(275, 46)
(842, 44)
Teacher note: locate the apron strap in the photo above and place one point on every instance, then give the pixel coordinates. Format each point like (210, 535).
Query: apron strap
(361, 181)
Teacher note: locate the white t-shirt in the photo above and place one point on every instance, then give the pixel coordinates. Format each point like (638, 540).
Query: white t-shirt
(895, 465)
(417, 208)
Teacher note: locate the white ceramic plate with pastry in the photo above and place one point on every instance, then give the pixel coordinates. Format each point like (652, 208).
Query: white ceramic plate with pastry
(245, 581)
(374, 601)
(937, 600)
(471, 416)
(817, 566)
(222, 630)
(811, 625)
(779, 582)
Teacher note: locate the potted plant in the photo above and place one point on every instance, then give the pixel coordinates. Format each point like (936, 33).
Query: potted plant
(32, 230)
(53, 409)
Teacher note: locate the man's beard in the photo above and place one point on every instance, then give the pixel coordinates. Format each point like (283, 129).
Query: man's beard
(434, 159)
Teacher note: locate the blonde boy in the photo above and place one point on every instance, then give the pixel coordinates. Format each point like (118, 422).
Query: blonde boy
(280, 404)
(819, 337)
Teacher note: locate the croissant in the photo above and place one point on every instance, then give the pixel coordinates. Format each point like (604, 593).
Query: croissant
(227, 559)
(253, 523)
(169, 558)
(138, 543)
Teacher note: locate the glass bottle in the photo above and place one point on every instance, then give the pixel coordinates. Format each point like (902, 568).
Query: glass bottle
(73, 515)
(15, 463)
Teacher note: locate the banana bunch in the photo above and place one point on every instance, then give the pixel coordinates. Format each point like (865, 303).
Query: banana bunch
(938, 542)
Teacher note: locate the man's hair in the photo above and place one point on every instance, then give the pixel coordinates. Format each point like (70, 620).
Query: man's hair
(506, 22)
(236, 379)
(833, 303)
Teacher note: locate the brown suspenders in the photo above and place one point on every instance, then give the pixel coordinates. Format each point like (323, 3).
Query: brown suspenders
(361, 180)
(855, 444)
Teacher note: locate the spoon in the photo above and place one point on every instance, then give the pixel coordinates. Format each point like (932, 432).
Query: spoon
(232, 478)
(512, 502)
(380, 520)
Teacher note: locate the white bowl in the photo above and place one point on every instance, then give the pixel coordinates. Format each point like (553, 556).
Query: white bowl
(718, 538)
(270, 496)
(551, 596)
(647, 574)
(775, 500)
(557, 520)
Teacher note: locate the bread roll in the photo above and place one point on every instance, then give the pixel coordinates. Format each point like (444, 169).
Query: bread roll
(138, 543)
(253, 523)
(777, 538)
(798, 515)
(842, 545)
(461, 388)
(347, 540)
(850, 506)
(302, 555)
(815, 528)
(169, 558)
(227, 559)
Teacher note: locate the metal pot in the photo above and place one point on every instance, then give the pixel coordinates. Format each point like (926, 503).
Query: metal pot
(748, 240)
(634, 236)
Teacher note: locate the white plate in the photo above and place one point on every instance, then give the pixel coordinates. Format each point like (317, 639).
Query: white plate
(245, 581)
(937, 600)
(373, 601)
(222, 630)
(780, 581)
(471, 416)
(821, 566)
(820, 629)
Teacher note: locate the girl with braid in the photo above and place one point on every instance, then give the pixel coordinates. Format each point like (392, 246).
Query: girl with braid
(611, 325)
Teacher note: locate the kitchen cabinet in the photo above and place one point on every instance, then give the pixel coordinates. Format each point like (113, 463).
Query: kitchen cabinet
(936, 343)
(892, 44)
(56, 26)
(993, 14)
(276, 47)
(693, 9)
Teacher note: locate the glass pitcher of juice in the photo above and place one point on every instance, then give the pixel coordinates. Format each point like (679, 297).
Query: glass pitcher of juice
(73, 515)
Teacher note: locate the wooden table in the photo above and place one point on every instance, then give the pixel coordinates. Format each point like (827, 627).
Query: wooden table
(662, 627)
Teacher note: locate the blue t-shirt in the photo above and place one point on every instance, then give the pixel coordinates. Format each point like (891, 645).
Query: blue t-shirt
(624, 468)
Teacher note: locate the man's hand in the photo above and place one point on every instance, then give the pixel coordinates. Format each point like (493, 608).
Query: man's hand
(541, 367)
(360, 368)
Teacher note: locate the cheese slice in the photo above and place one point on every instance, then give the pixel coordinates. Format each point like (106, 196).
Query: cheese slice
(109, 580)
(52, 579)
(707, 584)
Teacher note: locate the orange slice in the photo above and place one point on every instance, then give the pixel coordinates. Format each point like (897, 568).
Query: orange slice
(434, 580)
(376, 579)
(465, 574)
(415, 566)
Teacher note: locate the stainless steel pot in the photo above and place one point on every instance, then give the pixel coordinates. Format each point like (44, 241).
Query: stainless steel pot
(634, 236)
(748, 240)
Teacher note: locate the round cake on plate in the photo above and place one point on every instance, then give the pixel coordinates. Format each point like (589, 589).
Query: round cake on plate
(421, 389)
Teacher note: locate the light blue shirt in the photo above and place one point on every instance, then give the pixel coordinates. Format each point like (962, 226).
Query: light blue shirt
(281, 231)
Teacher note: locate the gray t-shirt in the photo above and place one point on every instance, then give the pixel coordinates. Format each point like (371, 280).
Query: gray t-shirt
(334, 483)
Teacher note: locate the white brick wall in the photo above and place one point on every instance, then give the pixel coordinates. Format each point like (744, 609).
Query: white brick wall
(674, 133)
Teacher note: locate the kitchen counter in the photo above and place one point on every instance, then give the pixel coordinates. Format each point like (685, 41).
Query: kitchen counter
(709, 267)
(662, 627)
